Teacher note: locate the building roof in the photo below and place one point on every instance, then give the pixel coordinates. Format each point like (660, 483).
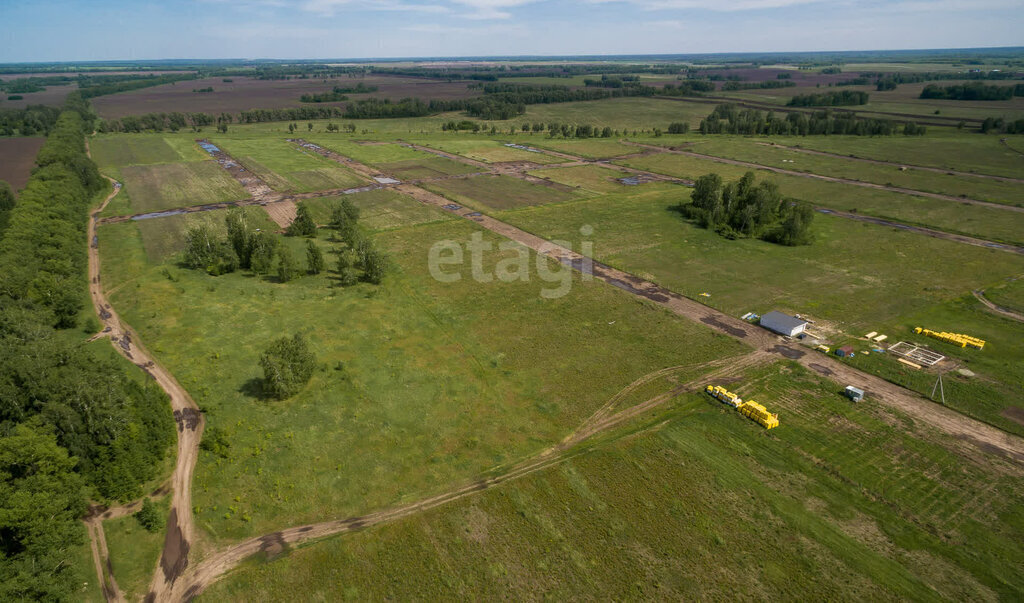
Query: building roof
(782, 321)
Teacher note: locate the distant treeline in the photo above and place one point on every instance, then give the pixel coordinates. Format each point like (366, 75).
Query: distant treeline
(972, 91)
(30, 121)
(26, 85)
(134, 83)
(615, 81)
(829, 99)
(338, 93)
(73, 425)
(768, 84)
(728, 119)
(1002, 126)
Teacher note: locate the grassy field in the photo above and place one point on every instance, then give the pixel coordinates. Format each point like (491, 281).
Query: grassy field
(433, 167)
(591, 148)
(156, 187)
(451, 393)
(1009, 294)
(841, 501)
(380, 210)
(847, 278)
(489, 151)
(619, 113)
(134, 552)
(962, 152)
(80, 557)
(140, 149)
(593, 178)
(287, 167)
(983, 222)
(498, 192)
(755, 151)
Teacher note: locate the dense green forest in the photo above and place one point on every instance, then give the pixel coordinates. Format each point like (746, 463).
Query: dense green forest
(74, 425)
(829, 99)
(973, 91)
(33, 120)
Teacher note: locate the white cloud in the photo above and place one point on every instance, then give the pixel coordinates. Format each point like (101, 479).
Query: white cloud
(490, 9)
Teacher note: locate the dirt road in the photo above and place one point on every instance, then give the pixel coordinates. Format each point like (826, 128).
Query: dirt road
(189, 420)
(1008, 313)
(778, 170)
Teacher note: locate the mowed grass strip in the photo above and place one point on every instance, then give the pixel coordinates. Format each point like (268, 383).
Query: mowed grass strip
(170, 185)
(591, 148)
(489, 151)
(380, 210)
(422, 383)
(754, 151)
(288, 167)
(990, 223)
(880, 509)
(593, 178)
(498, 192)
(131, 149)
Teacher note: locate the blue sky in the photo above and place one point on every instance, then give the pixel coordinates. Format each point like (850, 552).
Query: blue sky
(50, 30)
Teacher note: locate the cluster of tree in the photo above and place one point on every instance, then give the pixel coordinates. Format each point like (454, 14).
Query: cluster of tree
(6, 205)
(767, 84)
(728, 119)
(972, 91)
(287, 365)
(1002, 126)
(688, 88)
(338, 93)
(207, 89)
(136, 82)
(745, 209)
(678, 127)
(615, 81)
(73, 425)
(358, 252)
(30, 121)
(829, 99)
(246, 248)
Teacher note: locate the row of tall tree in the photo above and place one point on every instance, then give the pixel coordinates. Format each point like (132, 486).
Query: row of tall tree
(829, 99)
(748, 209)
(974, 91)
(73, 425)
(729, 119)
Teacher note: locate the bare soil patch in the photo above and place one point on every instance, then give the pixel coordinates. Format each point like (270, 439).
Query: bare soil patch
(17, 157)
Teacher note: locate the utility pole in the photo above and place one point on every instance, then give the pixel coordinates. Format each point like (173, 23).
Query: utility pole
(938, 386)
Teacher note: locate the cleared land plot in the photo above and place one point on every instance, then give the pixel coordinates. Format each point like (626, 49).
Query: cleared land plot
(17, 158)
(593, 178)
(380, 210)
(591, 148)
(984, 222)
(423, 387)
(132, 149)
(964, 152)
(857, 276)
(374, 154)
(433, 167)
(287, 167)
(498, 192)
(1010, 193)
(491, 151)
(842, 498)
(169, 185)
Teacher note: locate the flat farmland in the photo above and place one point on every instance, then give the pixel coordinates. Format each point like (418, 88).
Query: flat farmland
(161, 186)
(52, 95)
(985, 222)
(243, 93)
(843, 501)
(380, 210)
(755, 151)
(371, 153)
(593, 178)
(137, 149)
(17, 158)
(431, 167)
(591, 148)
(452, 394)
(619, 113)
(489, 151)
(499, 192)
(287, 167)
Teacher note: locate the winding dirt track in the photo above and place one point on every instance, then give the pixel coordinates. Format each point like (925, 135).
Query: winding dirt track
(180, 529)
(1008, 313)
(176, 580)
(778, 170)
(909, 166)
